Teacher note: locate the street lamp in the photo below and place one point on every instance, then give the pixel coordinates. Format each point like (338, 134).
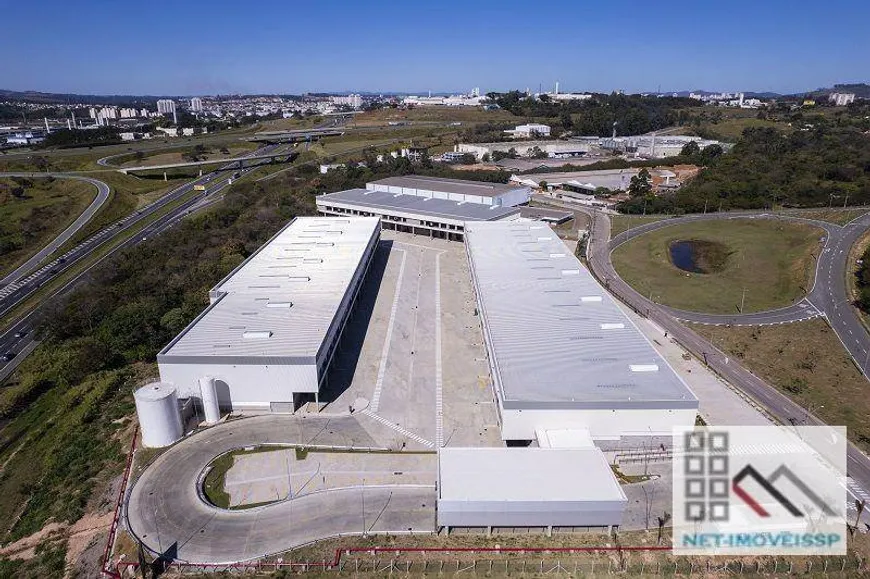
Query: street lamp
(743, 300)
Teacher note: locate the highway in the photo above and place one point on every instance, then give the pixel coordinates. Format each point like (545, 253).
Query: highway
(102, 196)
(829, 288)
(17, 340)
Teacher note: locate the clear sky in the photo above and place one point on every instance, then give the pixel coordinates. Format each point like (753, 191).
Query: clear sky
(293, 46)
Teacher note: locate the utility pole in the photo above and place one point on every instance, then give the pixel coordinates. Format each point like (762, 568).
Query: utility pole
(743, 300)
(846, 201)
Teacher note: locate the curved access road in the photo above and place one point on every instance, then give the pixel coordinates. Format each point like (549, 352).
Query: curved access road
(166, 511)
(103, 191)
(804, 309)
(830, 291)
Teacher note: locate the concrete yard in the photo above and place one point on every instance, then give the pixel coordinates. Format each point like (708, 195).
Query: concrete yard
(280, 474)
(413, 346)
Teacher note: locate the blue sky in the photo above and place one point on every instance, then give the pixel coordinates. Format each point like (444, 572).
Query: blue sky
(193, 47)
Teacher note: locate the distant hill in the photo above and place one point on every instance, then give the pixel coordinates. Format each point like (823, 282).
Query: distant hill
(861, 90)
(63, 98)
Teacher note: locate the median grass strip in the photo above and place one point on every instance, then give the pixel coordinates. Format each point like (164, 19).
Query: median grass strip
(35, 211)
(773, 262)
(805, 361)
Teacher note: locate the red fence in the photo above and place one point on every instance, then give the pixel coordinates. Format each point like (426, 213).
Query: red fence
(113, 529)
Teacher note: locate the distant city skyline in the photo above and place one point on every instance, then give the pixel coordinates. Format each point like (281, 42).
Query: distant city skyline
(274, 47)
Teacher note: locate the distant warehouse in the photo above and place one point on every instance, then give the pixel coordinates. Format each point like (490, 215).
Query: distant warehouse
(562, 354)
(267, 339)
(431, 206)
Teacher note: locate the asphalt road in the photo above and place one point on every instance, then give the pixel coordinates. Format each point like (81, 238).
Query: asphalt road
(167, 513)
(103, 191)
(830, 282)
(17, 340)
(827, 297)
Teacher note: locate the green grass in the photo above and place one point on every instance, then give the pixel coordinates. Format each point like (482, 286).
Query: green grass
(28, 223)
(772, 260)
(128, 193)
(620, 223)
(213, 485)
(805, 361)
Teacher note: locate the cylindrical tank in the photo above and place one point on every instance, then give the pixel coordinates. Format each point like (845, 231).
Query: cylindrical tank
(209, 398)
(159, 419)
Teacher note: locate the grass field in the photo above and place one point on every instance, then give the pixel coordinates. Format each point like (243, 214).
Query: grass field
(46, 208)
(620, 223)
(855, 254)
(177, 156)
(806, 361)
(433, 114)
(773, 261)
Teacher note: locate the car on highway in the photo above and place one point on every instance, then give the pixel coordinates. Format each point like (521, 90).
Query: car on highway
(21, 333)
(8, 356)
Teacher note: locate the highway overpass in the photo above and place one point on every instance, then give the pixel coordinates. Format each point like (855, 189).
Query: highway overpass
(233, 163)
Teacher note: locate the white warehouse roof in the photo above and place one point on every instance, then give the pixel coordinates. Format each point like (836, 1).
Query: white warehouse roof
(278, 306)
(526, 474)
(556, 338)
(443, 185)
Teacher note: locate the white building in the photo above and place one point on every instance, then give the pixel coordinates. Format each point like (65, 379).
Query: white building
(431, 206)
(841, 99)
(166, 106)
(527, 487)
(196, 104)
(479, 192)
(353, 101)
(562, 354)
(529, 131)
(273, 325)
(553, 149)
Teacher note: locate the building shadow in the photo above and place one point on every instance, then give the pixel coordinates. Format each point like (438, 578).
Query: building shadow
(341, 372)
(161, 564)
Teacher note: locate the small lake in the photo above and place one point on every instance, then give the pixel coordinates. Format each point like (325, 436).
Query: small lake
(684, 256)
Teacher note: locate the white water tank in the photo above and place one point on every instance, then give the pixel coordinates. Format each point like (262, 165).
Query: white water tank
(159, 418)
(209, 398)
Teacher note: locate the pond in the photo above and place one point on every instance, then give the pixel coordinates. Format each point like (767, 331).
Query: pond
(698, 255)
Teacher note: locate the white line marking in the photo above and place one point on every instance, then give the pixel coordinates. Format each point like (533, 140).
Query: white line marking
(439, 395)
(398, 428)
(379, 384)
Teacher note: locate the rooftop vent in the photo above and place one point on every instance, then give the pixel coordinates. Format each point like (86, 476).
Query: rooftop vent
(257, 335)
(590, 299)
(612, 326)
(556, 255)
(279, 305)
(644, 367)
(570, 272)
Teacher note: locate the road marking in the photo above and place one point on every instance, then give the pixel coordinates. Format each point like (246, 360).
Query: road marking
(439, 394)
(379, 383)
(397, 428)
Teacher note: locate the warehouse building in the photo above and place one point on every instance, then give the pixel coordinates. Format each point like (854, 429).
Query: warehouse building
(495, 488)
(430, 206)
(440, 218)
(553, 149)
(562, 354)
(267, 339)
(459, 190)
